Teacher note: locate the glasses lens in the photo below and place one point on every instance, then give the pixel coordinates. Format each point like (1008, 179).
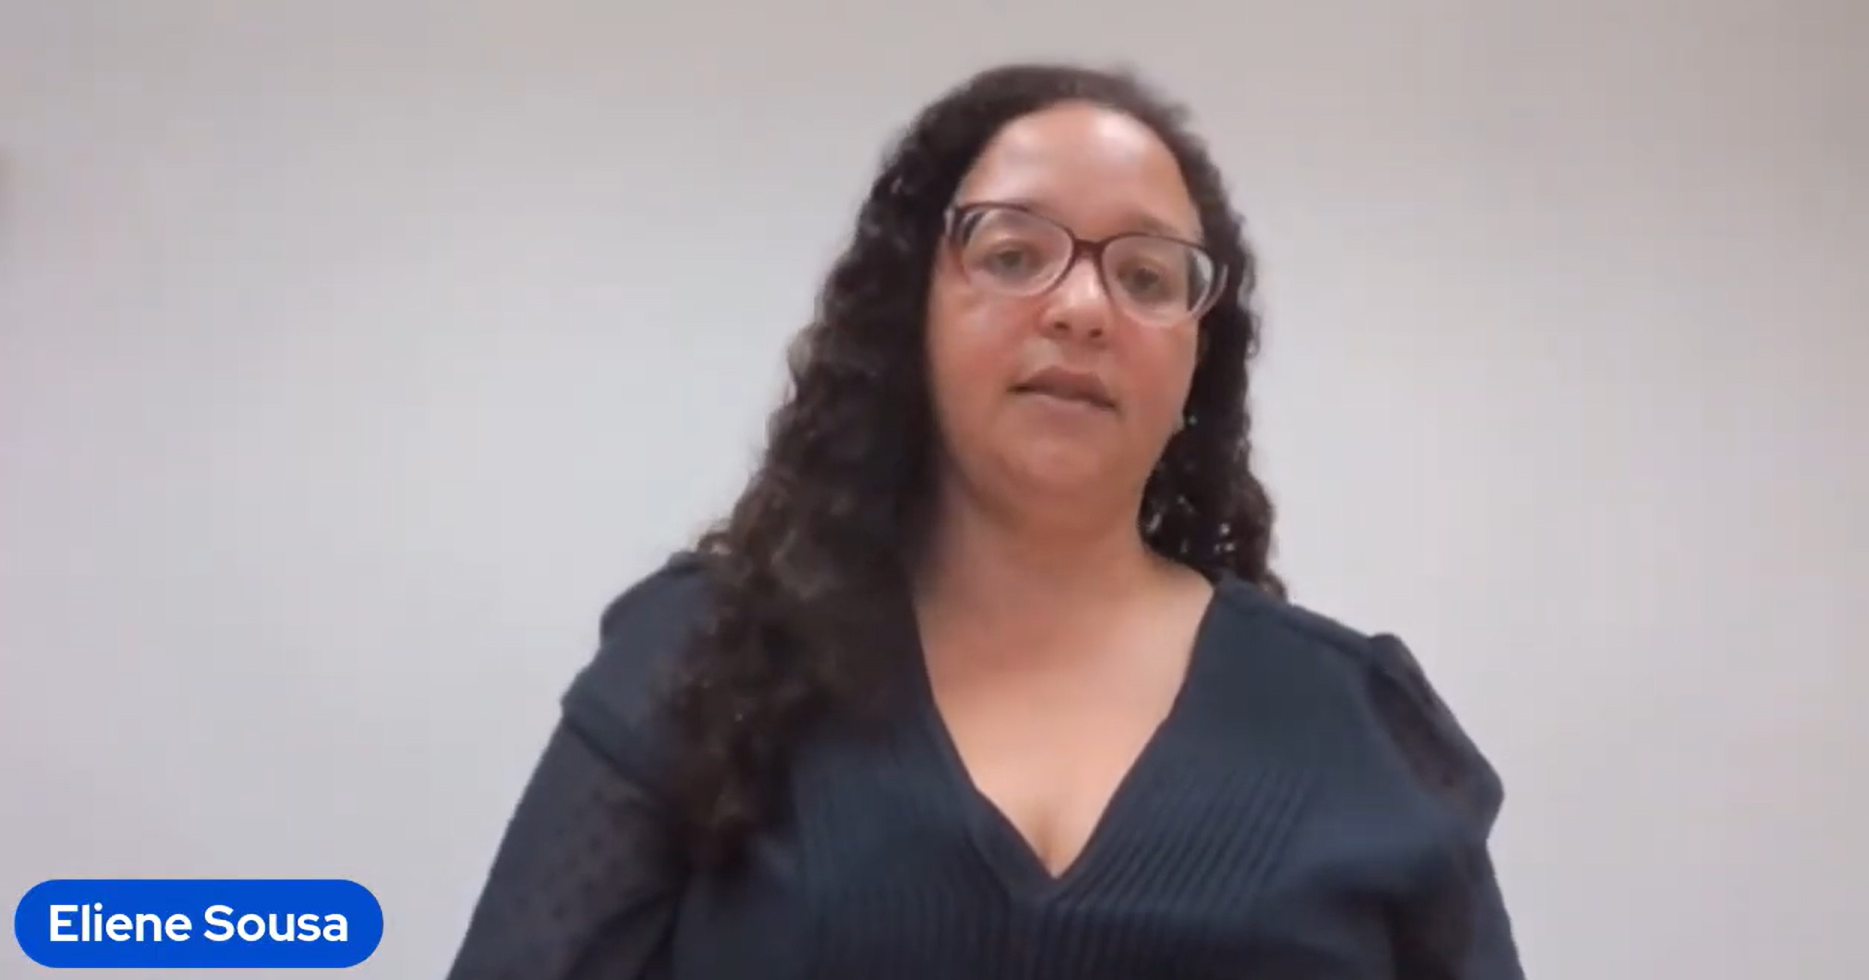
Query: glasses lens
(1159, 279)
(1155, 279)
(1011, 251)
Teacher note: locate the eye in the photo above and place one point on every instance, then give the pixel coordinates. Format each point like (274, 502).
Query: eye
(1145, 281)
(1007, 259)
(1161, 274)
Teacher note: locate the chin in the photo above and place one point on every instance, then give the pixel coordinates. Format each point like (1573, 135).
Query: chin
(1066, 470)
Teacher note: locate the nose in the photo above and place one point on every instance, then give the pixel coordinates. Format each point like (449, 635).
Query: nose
(1078, 305)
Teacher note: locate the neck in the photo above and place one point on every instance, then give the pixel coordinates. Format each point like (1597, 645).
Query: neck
(989, 562)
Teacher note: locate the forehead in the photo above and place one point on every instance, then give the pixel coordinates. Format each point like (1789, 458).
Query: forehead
(1098, 171)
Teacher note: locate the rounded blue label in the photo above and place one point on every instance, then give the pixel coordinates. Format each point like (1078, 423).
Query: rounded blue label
(198, 923)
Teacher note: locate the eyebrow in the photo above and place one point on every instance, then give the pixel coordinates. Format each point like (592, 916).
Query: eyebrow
(1133, 219)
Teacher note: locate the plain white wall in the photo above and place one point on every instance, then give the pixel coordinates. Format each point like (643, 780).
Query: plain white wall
(352, 354)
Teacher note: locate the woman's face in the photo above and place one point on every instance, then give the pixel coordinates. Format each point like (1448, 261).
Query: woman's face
(1071, 392)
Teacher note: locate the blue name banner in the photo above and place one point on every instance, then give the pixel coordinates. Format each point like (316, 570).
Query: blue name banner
(198, 924)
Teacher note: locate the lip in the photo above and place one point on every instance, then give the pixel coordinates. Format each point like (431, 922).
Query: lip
(1069, 385)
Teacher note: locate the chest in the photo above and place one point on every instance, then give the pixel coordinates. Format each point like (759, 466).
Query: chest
(1048, 754)
(1209, 861)
(1047, 734)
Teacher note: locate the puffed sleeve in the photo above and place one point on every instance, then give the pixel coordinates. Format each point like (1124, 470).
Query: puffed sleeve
(583, 884)
(1456, 927)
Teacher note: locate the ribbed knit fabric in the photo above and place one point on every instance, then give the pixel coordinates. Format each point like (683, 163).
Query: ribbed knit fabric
(1309, 810)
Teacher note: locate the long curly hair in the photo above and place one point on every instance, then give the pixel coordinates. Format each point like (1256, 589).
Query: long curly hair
(807, 568)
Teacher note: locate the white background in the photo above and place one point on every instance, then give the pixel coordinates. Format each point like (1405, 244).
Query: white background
(354, 353)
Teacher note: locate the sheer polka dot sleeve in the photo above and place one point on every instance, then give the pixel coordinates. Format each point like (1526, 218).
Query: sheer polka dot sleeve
(576, 890)
(1457, 928)
(582, 885)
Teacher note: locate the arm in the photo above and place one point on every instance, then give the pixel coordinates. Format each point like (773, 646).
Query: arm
(585, 883)
(1456, 927)
(576, 889)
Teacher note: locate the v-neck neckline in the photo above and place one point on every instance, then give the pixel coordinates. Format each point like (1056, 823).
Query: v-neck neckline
(999, 841)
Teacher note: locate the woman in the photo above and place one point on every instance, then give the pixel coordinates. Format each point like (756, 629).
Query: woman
(986, 675)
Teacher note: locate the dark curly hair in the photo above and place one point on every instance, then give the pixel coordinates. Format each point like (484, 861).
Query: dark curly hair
(809, 565)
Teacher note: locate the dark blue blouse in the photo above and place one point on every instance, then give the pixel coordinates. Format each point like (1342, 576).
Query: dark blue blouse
(1308, 810)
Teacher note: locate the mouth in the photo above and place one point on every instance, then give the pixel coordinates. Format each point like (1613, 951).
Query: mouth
(1069, 387)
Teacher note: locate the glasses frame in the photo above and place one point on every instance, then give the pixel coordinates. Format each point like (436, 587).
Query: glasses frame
(957, 215)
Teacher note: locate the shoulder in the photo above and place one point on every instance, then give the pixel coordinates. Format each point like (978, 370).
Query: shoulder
(641, 636)
(1380, 679)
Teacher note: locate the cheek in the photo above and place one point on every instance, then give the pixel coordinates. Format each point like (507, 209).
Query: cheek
(973, 349)
(1161, 371)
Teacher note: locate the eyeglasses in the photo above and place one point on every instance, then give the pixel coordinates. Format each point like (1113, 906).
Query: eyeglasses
(1011, 251)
